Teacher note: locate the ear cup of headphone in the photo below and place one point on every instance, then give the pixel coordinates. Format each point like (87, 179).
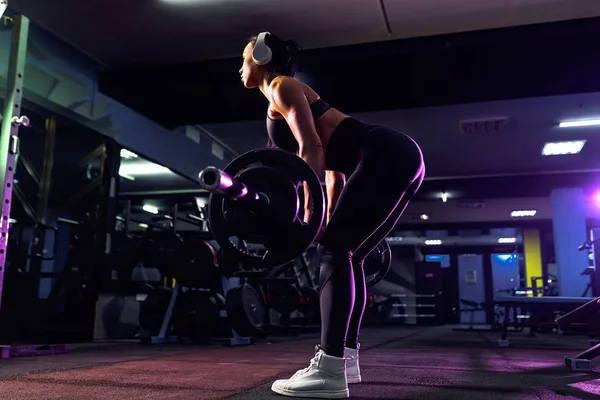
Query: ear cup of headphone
(262, 54)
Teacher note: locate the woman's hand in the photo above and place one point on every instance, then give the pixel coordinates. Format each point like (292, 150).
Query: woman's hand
(306, 219)
(307, 215)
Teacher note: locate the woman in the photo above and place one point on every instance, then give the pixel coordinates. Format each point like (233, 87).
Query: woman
(384, 169)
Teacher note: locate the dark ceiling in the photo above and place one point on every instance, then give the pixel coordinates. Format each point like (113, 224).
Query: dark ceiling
(506, 63)
(117, 32)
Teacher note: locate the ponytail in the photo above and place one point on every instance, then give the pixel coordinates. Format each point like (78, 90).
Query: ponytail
(292, 49)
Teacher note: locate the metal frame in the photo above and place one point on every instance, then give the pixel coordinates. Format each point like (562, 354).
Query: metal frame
(41, 227)
(106, 215)
(595, 278)
(9, 132)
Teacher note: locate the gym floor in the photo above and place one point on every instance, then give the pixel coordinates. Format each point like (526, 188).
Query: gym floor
(397, 363)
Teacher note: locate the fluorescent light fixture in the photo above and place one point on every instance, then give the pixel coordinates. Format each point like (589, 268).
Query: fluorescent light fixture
(135, 169)
(150, 209)
(394, 239)
(521, 293)
(183, 2)
(507, 240)
(563, 148)
(433, 242)
(128, 155)
(523, 213)
(581, 122)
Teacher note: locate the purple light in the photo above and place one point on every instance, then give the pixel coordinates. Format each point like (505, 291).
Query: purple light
(225, 182)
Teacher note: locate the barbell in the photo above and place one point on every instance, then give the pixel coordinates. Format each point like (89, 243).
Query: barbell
(256, 199)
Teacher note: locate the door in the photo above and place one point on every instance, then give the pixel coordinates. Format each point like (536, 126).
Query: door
(471, 285)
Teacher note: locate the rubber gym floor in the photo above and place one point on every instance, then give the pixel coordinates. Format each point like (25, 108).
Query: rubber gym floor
(397, 363)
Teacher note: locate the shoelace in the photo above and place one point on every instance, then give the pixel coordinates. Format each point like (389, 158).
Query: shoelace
(313, 364)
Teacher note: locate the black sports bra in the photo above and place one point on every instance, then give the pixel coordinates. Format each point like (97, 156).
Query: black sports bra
(280, 133)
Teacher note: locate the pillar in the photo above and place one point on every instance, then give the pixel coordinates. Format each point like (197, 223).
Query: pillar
(533, 255)
(569, 225)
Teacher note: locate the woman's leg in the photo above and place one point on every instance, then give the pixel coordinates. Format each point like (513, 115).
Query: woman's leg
(370, 203)
(358, 259)
(390, 163)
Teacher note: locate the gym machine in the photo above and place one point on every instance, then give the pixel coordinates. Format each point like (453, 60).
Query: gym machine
(587, 314)
(534, 306)
(592, 247)
(12, 120)
(189, 305)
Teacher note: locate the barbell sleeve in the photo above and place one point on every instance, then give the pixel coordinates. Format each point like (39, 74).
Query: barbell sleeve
(219, 182)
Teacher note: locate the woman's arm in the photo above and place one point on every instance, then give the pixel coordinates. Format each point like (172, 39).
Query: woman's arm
(288, 98)
(334, 181)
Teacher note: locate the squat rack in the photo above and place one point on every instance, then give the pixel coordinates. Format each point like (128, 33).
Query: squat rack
(9, 131)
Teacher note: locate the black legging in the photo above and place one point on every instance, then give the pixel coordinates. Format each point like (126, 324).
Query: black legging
(389, 172)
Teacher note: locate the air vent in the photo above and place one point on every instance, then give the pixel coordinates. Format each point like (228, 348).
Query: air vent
(483, 126)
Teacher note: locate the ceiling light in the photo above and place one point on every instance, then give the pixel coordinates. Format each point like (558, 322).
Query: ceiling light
(394, 238)
(424, 217)
(582, 122)
(150, 209)
(562, 148)
(523, 213)
(444, 196)
(433, 242)
(184, 1)
(507, 240)
(142, 225)
(138, 169)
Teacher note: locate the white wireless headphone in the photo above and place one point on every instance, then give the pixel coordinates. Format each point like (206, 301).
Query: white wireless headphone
(262, 53)
(3, 5)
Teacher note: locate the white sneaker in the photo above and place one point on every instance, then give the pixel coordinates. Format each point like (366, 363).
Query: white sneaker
(324, 378)
(352, 368)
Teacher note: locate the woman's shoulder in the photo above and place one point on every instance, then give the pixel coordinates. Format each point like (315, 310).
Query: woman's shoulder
(290, 87)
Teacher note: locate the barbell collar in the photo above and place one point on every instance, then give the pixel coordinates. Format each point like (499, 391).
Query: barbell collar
(219, 182)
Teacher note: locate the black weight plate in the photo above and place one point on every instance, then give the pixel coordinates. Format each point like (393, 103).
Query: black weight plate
(197, 264)
(285, 298)
(245, 310)
(274, 173)
(197, 315)
(154, 308)
(377, 264)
